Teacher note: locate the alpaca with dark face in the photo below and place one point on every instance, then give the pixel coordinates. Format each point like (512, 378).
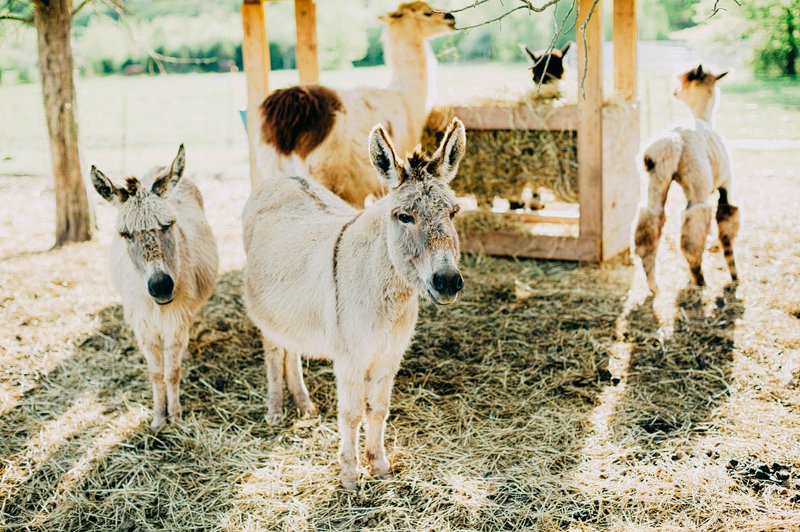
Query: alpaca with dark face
(548, 67)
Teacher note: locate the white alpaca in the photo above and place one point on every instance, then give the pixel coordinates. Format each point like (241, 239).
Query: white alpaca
(693, 155)
(164, 265)
(323, 279)
(325, 129)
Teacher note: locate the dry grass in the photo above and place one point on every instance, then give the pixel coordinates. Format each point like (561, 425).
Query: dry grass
(551, 397)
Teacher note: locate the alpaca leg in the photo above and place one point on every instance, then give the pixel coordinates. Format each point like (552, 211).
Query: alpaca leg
(294, 380)
(172, 373)
(350, 394)
(694, 229)
(646, 239)
(274, 359)
(728, 225)
(379, 393)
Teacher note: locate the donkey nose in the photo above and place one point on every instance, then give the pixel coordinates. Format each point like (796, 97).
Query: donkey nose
(160, 286)
(449, 283)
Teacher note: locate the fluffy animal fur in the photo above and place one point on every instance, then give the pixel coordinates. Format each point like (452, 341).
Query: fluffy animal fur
(164, 265)
(325, 130)
(694, 155)
(323, 279)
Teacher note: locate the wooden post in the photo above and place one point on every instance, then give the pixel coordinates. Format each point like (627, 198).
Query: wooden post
(625, 46)
(590, 119)
(305, 16)
(255, 56)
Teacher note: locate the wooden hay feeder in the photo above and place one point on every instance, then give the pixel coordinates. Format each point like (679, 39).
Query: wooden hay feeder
(607, 136)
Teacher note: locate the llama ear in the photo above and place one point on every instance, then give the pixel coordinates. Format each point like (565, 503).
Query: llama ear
(168, 178)
(565, 48)
(696, 74)
(103, 185)
(383, 158)
(721, 75)
(451, 150)
(532, 54)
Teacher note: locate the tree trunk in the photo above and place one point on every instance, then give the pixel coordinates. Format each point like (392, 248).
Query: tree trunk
(74, 217)
(791, 56)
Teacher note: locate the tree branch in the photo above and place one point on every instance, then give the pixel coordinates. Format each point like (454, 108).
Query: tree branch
(79, 7)
(526, 4)
(17, 17)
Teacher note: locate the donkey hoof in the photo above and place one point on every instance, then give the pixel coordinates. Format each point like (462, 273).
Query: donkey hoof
(381, 469)
(308, 409)
(176, 416)
(274, 417)
(158, 423)
(349, 482)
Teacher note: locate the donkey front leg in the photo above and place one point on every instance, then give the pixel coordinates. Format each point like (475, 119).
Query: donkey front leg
(694, 230)
(297, 387)
(379, 392)
(274, 358)
(155, 367)
(173, 354)
(350, 391)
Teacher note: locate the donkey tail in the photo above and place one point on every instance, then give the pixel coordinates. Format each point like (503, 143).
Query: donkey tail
(296, 120)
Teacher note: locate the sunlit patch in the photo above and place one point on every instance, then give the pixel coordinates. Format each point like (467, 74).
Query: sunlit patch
(85, 412)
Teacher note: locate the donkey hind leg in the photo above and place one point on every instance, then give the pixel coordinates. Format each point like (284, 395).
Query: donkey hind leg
(155, 367)
(297, 387)
(350, 391)
(172, 373)
(695, 224)
(379, 392)
(646, 239)
(728, 225)
(275, 372)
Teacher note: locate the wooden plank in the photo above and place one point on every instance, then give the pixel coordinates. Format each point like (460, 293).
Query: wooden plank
(515, 117)
(625, 48)
(544, 217)
(255, 56)
(306, 52)
(532, 246)
(590, 118)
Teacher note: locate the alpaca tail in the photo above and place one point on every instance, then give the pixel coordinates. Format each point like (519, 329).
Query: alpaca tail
(296, 120)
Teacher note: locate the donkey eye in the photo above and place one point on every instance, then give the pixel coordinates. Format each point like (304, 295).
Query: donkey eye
(452, 214)
(126, 235)
(166, 227)
(405, 218)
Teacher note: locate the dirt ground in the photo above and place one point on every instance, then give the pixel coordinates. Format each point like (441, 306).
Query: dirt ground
(552, 396)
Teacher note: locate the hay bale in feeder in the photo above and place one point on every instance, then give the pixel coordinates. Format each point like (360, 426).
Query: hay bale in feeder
(482, 220)
(503, 162)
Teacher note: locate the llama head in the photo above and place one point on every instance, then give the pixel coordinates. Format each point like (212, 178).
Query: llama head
(418, 19)
(697, 88)
(421, 236)
(146, 223)
(548, 67)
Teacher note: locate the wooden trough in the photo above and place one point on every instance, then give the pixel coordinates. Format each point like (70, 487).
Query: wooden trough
(607, 136)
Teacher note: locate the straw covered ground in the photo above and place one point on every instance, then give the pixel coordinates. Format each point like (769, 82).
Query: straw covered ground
(552, 396)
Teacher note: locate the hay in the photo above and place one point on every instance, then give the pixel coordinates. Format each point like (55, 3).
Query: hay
(482, 220)
(542, 400)
(502, 162)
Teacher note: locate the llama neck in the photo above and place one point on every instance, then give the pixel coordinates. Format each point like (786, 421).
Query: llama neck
(412, 66)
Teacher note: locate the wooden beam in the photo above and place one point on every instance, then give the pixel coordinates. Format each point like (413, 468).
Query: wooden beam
(513, 244)
(255, 56)
(590, 118)
(305, 17)
(626, 41)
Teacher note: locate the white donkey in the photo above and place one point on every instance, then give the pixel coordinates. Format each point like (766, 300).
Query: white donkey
(164, 265)
(323, 279)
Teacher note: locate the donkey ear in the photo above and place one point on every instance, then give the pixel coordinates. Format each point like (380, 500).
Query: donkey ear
(103, 185)
(167, 180)
(532, 54)
(565, 48)
(383, 157)
(451, 150)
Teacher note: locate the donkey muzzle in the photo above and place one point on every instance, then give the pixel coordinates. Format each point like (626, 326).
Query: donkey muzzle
(446, 285)
(160, 287)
